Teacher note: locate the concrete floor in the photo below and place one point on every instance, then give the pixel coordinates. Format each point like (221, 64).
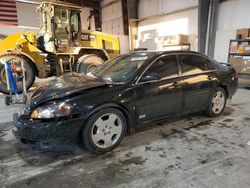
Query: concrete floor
(193, 151)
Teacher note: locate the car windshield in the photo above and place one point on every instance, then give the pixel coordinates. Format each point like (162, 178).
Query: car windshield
(120, 69)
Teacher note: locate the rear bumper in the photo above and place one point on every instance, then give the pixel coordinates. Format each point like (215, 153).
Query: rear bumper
(61, 134)
(233, 88)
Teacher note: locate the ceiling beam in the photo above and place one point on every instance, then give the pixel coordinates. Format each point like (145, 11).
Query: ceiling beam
(83, 3)
(91, 4)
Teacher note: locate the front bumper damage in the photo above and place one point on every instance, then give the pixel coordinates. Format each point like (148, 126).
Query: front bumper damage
(61, 134)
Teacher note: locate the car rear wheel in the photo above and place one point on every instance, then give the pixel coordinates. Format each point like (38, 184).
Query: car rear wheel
(217, 103)
(104, 131)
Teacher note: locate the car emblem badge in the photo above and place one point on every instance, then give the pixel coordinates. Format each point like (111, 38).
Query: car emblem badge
(142, 116)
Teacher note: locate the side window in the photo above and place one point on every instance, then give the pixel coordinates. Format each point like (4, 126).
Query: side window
(61, 19)
(74, 22)
(165, 67)
(209, 64)
(192, 64)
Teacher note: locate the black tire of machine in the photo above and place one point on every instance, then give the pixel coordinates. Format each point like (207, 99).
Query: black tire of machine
(87, 63)
(30, 73)
(8, 100)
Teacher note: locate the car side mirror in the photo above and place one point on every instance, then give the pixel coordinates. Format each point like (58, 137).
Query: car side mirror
(150, 77)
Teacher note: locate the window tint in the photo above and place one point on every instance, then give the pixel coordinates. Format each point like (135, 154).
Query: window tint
(192, 64)
(121, 68)
(165, 67)
(209, 64)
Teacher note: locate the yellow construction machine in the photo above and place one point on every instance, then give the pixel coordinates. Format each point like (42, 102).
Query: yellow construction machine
(59, 47)
(2, 37)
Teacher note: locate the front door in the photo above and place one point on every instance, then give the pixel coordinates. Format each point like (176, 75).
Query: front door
(162, 96)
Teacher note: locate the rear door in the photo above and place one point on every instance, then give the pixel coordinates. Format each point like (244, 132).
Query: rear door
(162, 97)
(197, 79)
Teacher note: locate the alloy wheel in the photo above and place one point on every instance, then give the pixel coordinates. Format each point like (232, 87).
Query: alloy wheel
(106, 130)
(218, 102)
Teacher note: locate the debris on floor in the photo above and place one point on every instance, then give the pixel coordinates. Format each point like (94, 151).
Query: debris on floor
(193, 151)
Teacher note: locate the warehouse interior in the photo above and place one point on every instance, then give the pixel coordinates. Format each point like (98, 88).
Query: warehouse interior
(145, 18)
(187, 151)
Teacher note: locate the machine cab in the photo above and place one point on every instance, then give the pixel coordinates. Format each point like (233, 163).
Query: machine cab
(60, 28)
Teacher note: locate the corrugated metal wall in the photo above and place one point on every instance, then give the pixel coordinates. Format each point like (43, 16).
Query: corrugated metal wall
(112, 18)
(112, 22)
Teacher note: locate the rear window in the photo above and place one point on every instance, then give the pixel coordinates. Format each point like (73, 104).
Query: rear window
(191, 64)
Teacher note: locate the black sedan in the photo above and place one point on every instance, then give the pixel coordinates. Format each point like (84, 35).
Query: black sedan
(123, 94)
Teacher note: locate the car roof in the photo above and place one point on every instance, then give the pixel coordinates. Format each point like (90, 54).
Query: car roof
(158, 53)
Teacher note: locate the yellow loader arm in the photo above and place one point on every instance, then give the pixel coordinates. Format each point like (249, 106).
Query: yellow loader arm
(2, 37)
(17, 41)
(22, 44)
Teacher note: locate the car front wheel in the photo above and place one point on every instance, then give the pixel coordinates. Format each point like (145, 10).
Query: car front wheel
(217, 103)
(104, 130)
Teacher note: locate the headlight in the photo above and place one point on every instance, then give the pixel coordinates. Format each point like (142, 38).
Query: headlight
(52, 110)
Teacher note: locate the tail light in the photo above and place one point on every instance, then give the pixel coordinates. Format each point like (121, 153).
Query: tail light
(235, 76)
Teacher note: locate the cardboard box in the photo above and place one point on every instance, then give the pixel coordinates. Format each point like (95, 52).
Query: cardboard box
(242, 33)
(245, 66)
(246, 49)
(182, 39)
(233, 47)
(245, 70)
(246, 62)
(236, 63)
(175, 40)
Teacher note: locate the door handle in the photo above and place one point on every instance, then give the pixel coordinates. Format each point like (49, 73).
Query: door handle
(176, 84)
(210, 77)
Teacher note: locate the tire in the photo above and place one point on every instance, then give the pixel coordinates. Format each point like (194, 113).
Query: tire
(217, 103)
(30, 73)
(8, 100)
(104, 131)
(87, 63)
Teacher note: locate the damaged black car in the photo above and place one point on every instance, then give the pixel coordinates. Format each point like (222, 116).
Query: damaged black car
(123, 94)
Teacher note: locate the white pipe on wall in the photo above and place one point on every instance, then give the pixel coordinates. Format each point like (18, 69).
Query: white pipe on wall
(29, 2)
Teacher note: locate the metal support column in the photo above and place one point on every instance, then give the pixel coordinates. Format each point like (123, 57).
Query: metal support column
(125, 17)
(212, 27)
(203, 11)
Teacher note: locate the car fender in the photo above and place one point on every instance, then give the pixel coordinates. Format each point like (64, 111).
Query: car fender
(130, 124)
(123, 109)
(223, 85)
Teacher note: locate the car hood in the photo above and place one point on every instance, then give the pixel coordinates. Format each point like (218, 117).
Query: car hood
(64, 86)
